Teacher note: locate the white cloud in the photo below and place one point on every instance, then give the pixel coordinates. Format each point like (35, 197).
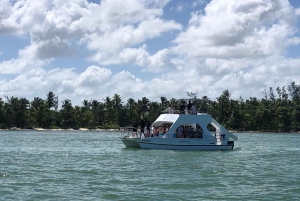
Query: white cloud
(297, 11)
(158, 62)
(25, 62)
(179, 8)
(107, 29)
(183, 5)
(198, 2)
(238, 29)
(110, 46)
(93, 78)
(235, 45)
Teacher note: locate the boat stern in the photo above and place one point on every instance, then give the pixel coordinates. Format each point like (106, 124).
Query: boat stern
(130, 142)
(231, 143)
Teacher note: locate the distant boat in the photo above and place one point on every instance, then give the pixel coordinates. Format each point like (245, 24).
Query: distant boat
(186, 132)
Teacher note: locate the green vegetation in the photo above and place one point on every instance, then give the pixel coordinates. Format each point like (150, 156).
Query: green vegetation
(278, 111)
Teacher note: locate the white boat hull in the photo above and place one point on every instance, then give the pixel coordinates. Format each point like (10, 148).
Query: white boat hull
(130, 142)
(182, 144)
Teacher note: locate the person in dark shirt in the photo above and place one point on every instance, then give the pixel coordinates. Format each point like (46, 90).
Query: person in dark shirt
(134, 130)
(182, 108)
(189, 107)
(143, 124)
(148, 128)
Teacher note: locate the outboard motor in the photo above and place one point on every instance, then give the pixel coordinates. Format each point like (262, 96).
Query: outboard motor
(231, 143)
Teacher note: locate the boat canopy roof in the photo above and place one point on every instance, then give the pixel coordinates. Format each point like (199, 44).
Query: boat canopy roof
(182, 119)
(165, 118)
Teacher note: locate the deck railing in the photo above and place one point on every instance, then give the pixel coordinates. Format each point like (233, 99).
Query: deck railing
(126, 131)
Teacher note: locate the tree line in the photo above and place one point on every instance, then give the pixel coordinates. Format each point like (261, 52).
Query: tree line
(278, 111)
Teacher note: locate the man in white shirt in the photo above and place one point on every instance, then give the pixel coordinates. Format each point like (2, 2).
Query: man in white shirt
(193, 108)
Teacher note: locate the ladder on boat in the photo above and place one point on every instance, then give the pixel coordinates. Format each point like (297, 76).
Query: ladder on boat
(220, 137)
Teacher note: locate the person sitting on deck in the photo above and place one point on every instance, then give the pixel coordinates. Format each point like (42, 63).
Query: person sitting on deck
(179, 131)
(154, 130)
(199, 132)
(175, 134)
(157, 132)
(185, 131)
(160, 131)
(165, 129)
(190, 132)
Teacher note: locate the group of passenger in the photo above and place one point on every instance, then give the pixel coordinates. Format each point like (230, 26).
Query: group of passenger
(183, 131)
(188, 132)
(149, 131)
(189, 109)
(145, 128)
(158, 131)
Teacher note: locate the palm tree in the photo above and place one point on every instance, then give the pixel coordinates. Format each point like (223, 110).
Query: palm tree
(52, 102)
(9, 111)
(2, 117)
(109, 110)
(224, 107)
(174, 103)
(68, 114)
(143, 106)
(95, 111)
(154, 111)
(132, 110)
(88, 115)
(22, 113)
(86, 104)
(117, 103)
(37, 112)
(294, 90)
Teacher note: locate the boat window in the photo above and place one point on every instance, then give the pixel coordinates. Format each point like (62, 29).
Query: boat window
(198, 131)
(210, 127)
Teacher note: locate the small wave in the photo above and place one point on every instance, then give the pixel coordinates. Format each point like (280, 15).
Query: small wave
(5, 175)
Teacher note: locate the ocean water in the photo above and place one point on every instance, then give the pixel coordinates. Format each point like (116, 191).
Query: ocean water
(84, 165)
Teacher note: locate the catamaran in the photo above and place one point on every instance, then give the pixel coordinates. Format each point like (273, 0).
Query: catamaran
(186, 132)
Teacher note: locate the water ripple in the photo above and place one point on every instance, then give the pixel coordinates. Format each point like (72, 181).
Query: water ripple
(96, 166)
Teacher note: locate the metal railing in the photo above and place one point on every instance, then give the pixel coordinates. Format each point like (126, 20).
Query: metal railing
(127, 131)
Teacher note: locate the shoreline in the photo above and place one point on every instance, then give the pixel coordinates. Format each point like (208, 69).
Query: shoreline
(60, 129)
(253, 132)
(116, 130)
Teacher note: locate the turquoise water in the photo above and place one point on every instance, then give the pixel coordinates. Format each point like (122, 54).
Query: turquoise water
(67, 165)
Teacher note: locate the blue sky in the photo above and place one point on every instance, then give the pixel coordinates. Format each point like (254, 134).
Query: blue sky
(83, 49)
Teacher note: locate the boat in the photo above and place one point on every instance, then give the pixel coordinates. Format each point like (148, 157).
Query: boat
(129, 136)
(186, 132)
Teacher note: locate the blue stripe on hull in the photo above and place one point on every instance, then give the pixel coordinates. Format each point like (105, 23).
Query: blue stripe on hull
(146, 145)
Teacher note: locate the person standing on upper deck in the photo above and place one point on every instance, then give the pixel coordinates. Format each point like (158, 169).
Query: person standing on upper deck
(193, 109)
(182, 108)
(189, 106)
